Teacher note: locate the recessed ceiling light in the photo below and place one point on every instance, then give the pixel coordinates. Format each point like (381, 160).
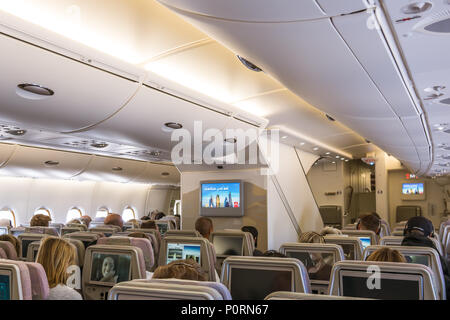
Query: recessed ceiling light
(329, 117)
(165, 174)
(302, 143)
(284, 137)
(333, 162)
(342, 159)
(19, 132)
(346, 160)
(316, 148)
(230, 140)
(327, 153)
(337, 157)
(33, 91)
(249, 65)
(99, 145)
(170, 126)
(51, 163)
(117, 169)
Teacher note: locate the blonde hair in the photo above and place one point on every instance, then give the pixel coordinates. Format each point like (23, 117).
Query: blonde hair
(386, 254)
(181, 269)
(311, 237)
(56, 255)
(13, 240)
(40, 220)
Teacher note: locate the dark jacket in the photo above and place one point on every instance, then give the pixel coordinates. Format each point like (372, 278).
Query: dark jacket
(422, 241)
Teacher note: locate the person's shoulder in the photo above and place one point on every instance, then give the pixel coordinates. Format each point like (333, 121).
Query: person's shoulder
(63, 292)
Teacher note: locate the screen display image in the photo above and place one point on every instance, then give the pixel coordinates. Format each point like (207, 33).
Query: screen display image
(221, 195)
(412, 188)
(253, 284)
(417, 259)
(228, 246)
(390, 289)
(25, 244)
(180, 251)
(110, 268)
(318, 264)
(5, 285)
(349, 251)
(162, 227)
(365, 241)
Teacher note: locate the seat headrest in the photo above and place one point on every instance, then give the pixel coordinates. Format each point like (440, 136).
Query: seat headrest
(9, 249)
(39, 282)
(24, 278)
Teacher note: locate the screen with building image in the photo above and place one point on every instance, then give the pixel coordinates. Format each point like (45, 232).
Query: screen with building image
(181, 251)
(221, 198)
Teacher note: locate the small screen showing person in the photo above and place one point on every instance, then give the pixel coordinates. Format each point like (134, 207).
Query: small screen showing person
(110, 268)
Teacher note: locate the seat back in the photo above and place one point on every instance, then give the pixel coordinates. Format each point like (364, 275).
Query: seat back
(442, 231)
(331, 215)
(350, 227)
(363, 235)
(219, 287)
(198, 249)
(142, 243)
(254, 277)
(86, 237)
(404, 213)
(80, 250)
(56, 226)
(419, 255)
(394, 280)
(39, 282)
(106, 231)
(66, 230)
(32, 251)
(184, 233)
(163, 226)
(9, 250)
(173, 219)
(386, 229)
(15, 282)
(124, 263)
(43, 230)
(16, 231)
(134, 290)
(80, 226)
(391, 241)
(352, 246)
(284, 295)
(25, 239)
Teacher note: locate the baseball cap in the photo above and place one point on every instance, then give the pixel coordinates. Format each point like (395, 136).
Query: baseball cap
(420, 223)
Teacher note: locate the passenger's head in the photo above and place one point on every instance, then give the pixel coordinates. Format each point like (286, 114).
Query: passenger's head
(369, 222)
(204, 226)
(149, 224)
(56, 255)
(330, 230)
(40, 220)
(274, 253)
(139, 235)
(114, 219)
(181, 269)
(153, 214)
(311, 237)
(419, 226)
(13, 240)
(143, 218)
(253, 231)
(159, 215)
(386, 254)
(85, 220)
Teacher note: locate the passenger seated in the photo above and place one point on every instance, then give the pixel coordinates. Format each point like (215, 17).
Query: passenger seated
(159, 215)
(386, 254)
(186, 269)
(86, 220)
(319, 268)
(143, 218)
(330, 230)
(370, 222)
(311, 237)
(149, 224)
(114, 219)
(418, 232)
(15, 242)
(204, 226)
(40, 220)
(56, 255)
(254, 233)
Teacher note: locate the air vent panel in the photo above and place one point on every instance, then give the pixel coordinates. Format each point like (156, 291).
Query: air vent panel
(436, 24)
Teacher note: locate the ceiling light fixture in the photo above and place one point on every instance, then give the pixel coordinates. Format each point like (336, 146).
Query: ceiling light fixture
(99, 145)
(19, 132)
(230, 140)
(249, 65)
(316, 148)
(33, 91)
(329, 117)
(170, 126)
(117, 169)
(165, 174)
(51, 163)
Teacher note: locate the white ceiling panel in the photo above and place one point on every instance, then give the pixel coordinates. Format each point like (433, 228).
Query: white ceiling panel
(415, 129)
(159, 174)
(78, 99)
(6, 151)
(333, 7)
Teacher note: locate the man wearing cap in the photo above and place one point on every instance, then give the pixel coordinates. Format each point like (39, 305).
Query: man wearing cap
(417, 232)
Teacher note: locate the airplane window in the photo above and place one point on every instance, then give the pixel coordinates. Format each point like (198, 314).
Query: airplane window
(128, 214)
(43, 211)
(7, 213)
(73, 213)
(102, 212)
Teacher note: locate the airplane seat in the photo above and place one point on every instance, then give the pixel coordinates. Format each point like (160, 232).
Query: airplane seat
(420, 255)
(81, 226)
(9, 250)
(25, 239)
(391, 241)
(285, 295)
(32, 250)
(18, 275)
(173, 222)
(57, 226)
(43, 230)
(39, 282)
(154, 234)
(79, 249)
(397, 233)
(125, 263)
(331, 216)
(385, 228)
(364, 235)
(142, 243)
(169, 289)
(184, 233)
(3, 254)
(350, 227)
(16, 231)
(311, 254)
(218, 286)
(198, 249)
(404, 213)
(442, 231)
(352, 246)
(86, 237)
(404, 281)
(66, 230)
(255, 277)
(4, 229)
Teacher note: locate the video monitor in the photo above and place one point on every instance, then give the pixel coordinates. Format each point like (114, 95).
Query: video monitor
(318, 264)
(221, 198)
(16, 233)
(419, 259)
(3, 230)
(349, 250)
(228, 245)
(413, 191)
(25, 244)
(162, 227)
(365, 241)
(110, 268)
(390, 289)
(5, 285)
(181, 251)
(256, 284)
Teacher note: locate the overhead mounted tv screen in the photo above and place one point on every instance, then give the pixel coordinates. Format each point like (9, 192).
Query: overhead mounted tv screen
(224, 198)
(413, 191)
